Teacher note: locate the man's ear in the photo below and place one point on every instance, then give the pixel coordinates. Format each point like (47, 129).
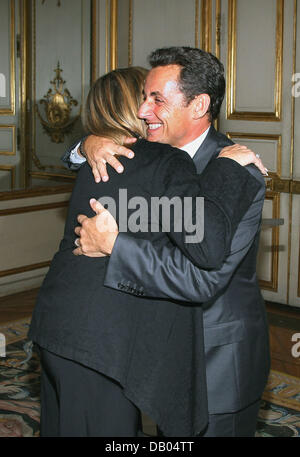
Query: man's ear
(201, 105)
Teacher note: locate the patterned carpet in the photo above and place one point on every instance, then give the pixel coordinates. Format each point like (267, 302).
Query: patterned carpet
(280, 409)
(279, 414)
(19, 384)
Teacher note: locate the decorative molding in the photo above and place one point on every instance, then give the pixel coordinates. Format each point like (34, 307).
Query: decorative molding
(130, 34)
(288, 186)
(40, 191)
(293, 98)
(197, 23)
(12, 170)
(24, 269)
(217, 49)
(218, 29)
(113, 34)
(33, 208)
(94, 41)
(206, 24)
(42, 174)
(12, 109)
(263, 137)
(292, 157)
(299, 268)
(13, 133)
(295, 187)
(231, 69)
(106, 36)
(279, 185)
(272, 285)
(29, 209)
(56, 176)
(24, 90)
(57, 103)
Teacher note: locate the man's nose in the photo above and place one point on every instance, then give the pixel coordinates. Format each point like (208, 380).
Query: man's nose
(144, 110)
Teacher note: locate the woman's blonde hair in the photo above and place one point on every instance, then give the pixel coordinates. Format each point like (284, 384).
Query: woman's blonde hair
(113, 102)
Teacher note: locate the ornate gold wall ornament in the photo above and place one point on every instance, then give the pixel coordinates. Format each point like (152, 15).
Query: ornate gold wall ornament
(58, 106)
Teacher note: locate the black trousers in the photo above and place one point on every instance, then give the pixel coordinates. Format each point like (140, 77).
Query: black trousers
(239, 424)
(77, 401)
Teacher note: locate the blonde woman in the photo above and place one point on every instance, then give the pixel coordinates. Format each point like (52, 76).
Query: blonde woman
(105, 355)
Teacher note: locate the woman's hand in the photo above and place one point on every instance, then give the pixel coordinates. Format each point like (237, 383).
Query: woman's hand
(243, 156)
(100, 151)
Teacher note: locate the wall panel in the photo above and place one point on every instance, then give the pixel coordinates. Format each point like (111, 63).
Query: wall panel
(252, 92)
(295, 252)
(256, 46)
(56, 45)
(8, 140)
(162, 23)
(31, 229)
(267, 262)
(7, 177)
(269, 146)
(7, 40)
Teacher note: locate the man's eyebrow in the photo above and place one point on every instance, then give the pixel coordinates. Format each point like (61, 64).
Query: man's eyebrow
(152, 94)
(155, 93)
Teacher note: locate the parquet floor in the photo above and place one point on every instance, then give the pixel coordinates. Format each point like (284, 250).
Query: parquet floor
(17, 306)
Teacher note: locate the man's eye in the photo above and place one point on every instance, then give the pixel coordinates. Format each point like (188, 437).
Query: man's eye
(158, 100)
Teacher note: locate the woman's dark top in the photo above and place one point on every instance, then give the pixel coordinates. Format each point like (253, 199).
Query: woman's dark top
(153, 348)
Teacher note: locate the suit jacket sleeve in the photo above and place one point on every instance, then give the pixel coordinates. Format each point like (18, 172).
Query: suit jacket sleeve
(155, 270)
(228, 190)
(66, 158)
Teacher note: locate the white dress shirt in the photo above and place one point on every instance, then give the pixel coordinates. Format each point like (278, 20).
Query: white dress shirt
(192, 147)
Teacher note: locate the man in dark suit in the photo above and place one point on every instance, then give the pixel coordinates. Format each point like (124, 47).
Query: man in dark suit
(236, 332)
(106, 355)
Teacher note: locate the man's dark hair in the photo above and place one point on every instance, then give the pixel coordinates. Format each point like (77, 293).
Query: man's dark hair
(201, 73)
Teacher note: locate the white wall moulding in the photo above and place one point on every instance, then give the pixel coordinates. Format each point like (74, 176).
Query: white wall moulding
(267, 264)
(294, 273)
(7, 176)
(31, 228)
(295, 165)
(267, 145)
(298, 293)
(28, 194)
(7, 40)
(23, 269)
(7, 139)
(206, 28)
(29, 244)
(261, 98)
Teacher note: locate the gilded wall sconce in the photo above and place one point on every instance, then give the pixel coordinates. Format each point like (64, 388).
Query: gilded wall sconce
(58, 105)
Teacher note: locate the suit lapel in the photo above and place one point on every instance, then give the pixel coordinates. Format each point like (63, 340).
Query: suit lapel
(208, 150)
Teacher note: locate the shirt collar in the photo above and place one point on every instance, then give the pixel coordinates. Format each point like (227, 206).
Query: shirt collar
(192, 147)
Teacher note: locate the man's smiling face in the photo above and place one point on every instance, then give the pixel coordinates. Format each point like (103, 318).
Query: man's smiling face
(168, 117)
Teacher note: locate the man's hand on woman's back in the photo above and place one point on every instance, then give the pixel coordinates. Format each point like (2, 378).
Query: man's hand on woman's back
(100, 151)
